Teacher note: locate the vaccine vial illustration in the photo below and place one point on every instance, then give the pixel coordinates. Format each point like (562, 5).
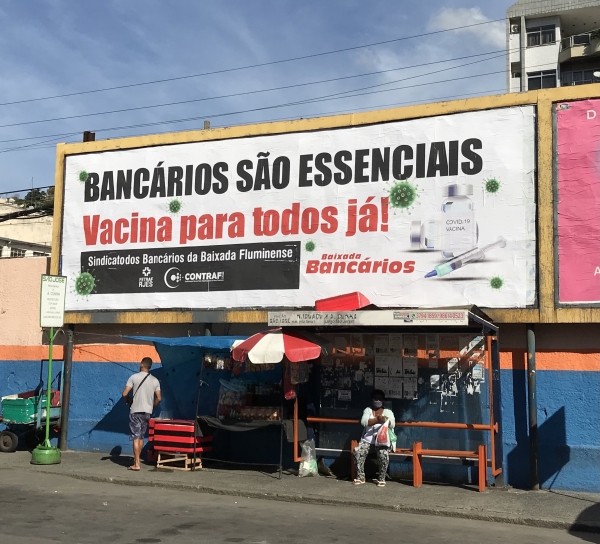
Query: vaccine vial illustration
(425, 235)
(458, 220)
(454, 230)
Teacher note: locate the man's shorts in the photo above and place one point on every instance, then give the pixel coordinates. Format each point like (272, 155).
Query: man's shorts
(138, 425)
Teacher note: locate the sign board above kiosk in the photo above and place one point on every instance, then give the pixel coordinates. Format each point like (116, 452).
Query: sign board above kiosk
(374, 318)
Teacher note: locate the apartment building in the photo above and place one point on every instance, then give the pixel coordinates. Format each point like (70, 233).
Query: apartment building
(29, 236)
(552, 43)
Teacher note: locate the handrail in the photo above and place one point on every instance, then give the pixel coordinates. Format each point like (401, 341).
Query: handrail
(426, 424)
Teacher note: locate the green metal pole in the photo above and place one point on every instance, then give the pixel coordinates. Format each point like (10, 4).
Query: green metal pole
(45, 454)
(49, 388)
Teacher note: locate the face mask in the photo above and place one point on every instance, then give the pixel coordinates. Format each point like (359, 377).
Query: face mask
(377, 404)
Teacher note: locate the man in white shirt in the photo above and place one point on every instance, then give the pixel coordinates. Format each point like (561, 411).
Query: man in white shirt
(146, 397)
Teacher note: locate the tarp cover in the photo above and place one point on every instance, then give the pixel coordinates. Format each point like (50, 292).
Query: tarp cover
(208, 342)
(181, 369)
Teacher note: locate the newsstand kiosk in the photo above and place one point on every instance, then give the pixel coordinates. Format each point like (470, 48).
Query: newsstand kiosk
(439, 370)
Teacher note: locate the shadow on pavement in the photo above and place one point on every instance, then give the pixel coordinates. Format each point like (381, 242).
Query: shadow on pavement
(589, 515)
(267, 470)
(123, 460)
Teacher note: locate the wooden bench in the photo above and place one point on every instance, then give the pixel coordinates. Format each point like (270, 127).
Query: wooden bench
(417, 453)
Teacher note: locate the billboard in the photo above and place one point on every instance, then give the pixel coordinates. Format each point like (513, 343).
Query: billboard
(578, 206)
(431, 212)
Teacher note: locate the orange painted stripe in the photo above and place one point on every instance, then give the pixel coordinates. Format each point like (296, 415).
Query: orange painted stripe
(512, 359)
(114, 353)
(28, 353)
(95, 353)
(580, 360)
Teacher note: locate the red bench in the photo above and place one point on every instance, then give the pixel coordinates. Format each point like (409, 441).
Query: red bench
(173, 443)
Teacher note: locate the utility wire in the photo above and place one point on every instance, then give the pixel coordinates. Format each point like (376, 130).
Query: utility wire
(257, 65)
(374, 107)
(63, 135)
(67, 134)
(37, 146)
(245, 93)
(325, 98)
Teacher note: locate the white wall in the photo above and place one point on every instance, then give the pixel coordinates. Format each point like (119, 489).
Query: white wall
(35, 231)
(543, 57)
(514, 44)
(515, 85)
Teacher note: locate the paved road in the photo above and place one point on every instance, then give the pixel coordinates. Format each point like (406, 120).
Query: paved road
(41, 508)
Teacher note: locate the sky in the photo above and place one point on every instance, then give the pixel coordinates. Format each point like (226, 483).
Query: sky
(58, 47)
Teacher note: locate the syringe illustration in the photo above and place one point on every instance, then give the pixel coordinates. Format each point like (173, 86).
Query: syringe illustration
(475, 254)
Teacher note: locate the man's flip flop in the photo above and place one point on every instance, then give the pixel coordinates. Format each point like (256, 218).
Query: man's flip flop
(133, 468)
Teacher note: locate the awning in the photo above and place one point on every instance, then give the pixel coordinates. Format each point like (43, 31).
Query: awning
(207, 342)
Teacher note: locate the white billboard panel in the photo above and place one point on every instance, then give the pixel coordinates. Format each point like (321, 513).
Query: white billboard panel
(432, 212)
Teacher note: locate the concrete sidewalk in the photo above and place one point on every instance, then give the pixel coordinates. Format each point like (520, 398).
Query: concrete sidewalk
(551, 509)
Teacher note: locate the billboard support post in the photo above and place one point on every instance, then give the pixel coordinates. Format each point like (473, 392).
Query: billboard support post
(532, 403)
(66, 393)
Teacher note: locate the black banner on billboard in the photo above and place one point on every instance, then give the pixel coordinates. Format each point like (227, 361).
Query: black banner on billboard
(240, 267)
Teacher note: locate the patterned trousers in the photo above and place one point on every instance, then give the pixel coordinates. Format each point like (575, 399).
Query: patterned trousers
(360, 456)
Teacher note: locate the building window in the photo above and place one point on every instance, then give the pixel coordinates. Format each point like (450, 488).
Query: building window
(39, 254)
(16, 252)
(578, 77)
(541, 35)
(541, 80)
(581, 39)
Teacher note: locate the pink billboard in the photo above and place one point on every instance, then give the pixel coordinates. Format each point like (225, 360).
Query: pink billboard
(578, 180)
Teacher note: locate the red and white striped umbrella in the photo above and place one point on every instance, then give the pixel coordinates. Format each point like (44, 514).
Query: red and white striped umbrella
(271, 346)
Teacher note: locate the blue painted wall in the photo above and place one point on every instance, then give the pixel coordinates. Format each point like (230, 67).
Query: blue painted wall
(568, 429)
(99, 417)
(568, 416)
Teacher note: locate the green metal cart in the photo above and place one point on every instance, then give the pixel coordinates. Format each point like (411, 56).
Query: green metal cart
(24, 415)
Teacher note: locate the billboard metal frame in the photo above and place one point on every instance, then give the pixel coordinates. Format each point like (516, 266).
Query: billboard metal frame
(547, 311)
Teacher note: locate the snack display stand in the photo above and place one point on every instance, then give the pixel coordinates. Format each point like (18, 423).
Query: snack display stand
(246, 406)
(234, 398)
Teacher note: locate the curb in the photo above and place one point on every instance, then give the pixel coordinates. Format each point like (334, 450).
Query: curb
(585, 526)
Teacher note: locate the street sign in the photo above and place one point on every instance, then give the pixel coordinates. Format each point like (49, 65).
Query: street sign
(52, 301)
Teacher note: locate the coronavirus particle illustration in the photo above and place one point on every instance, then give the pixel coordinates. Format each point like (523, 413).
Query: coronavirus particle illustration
(403, 195)
(83, 176)
(310, 246)
(175, 206)
(492, 186)
(84, 284)
(496, 282)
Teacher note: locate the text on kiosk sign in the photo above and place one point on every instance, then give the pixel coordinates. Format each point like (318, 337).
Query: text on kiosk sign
(52, 300)
(370, 318)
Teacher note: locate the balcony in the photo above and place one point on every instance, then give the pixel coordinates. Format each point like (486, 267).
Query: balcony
(579, 46)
